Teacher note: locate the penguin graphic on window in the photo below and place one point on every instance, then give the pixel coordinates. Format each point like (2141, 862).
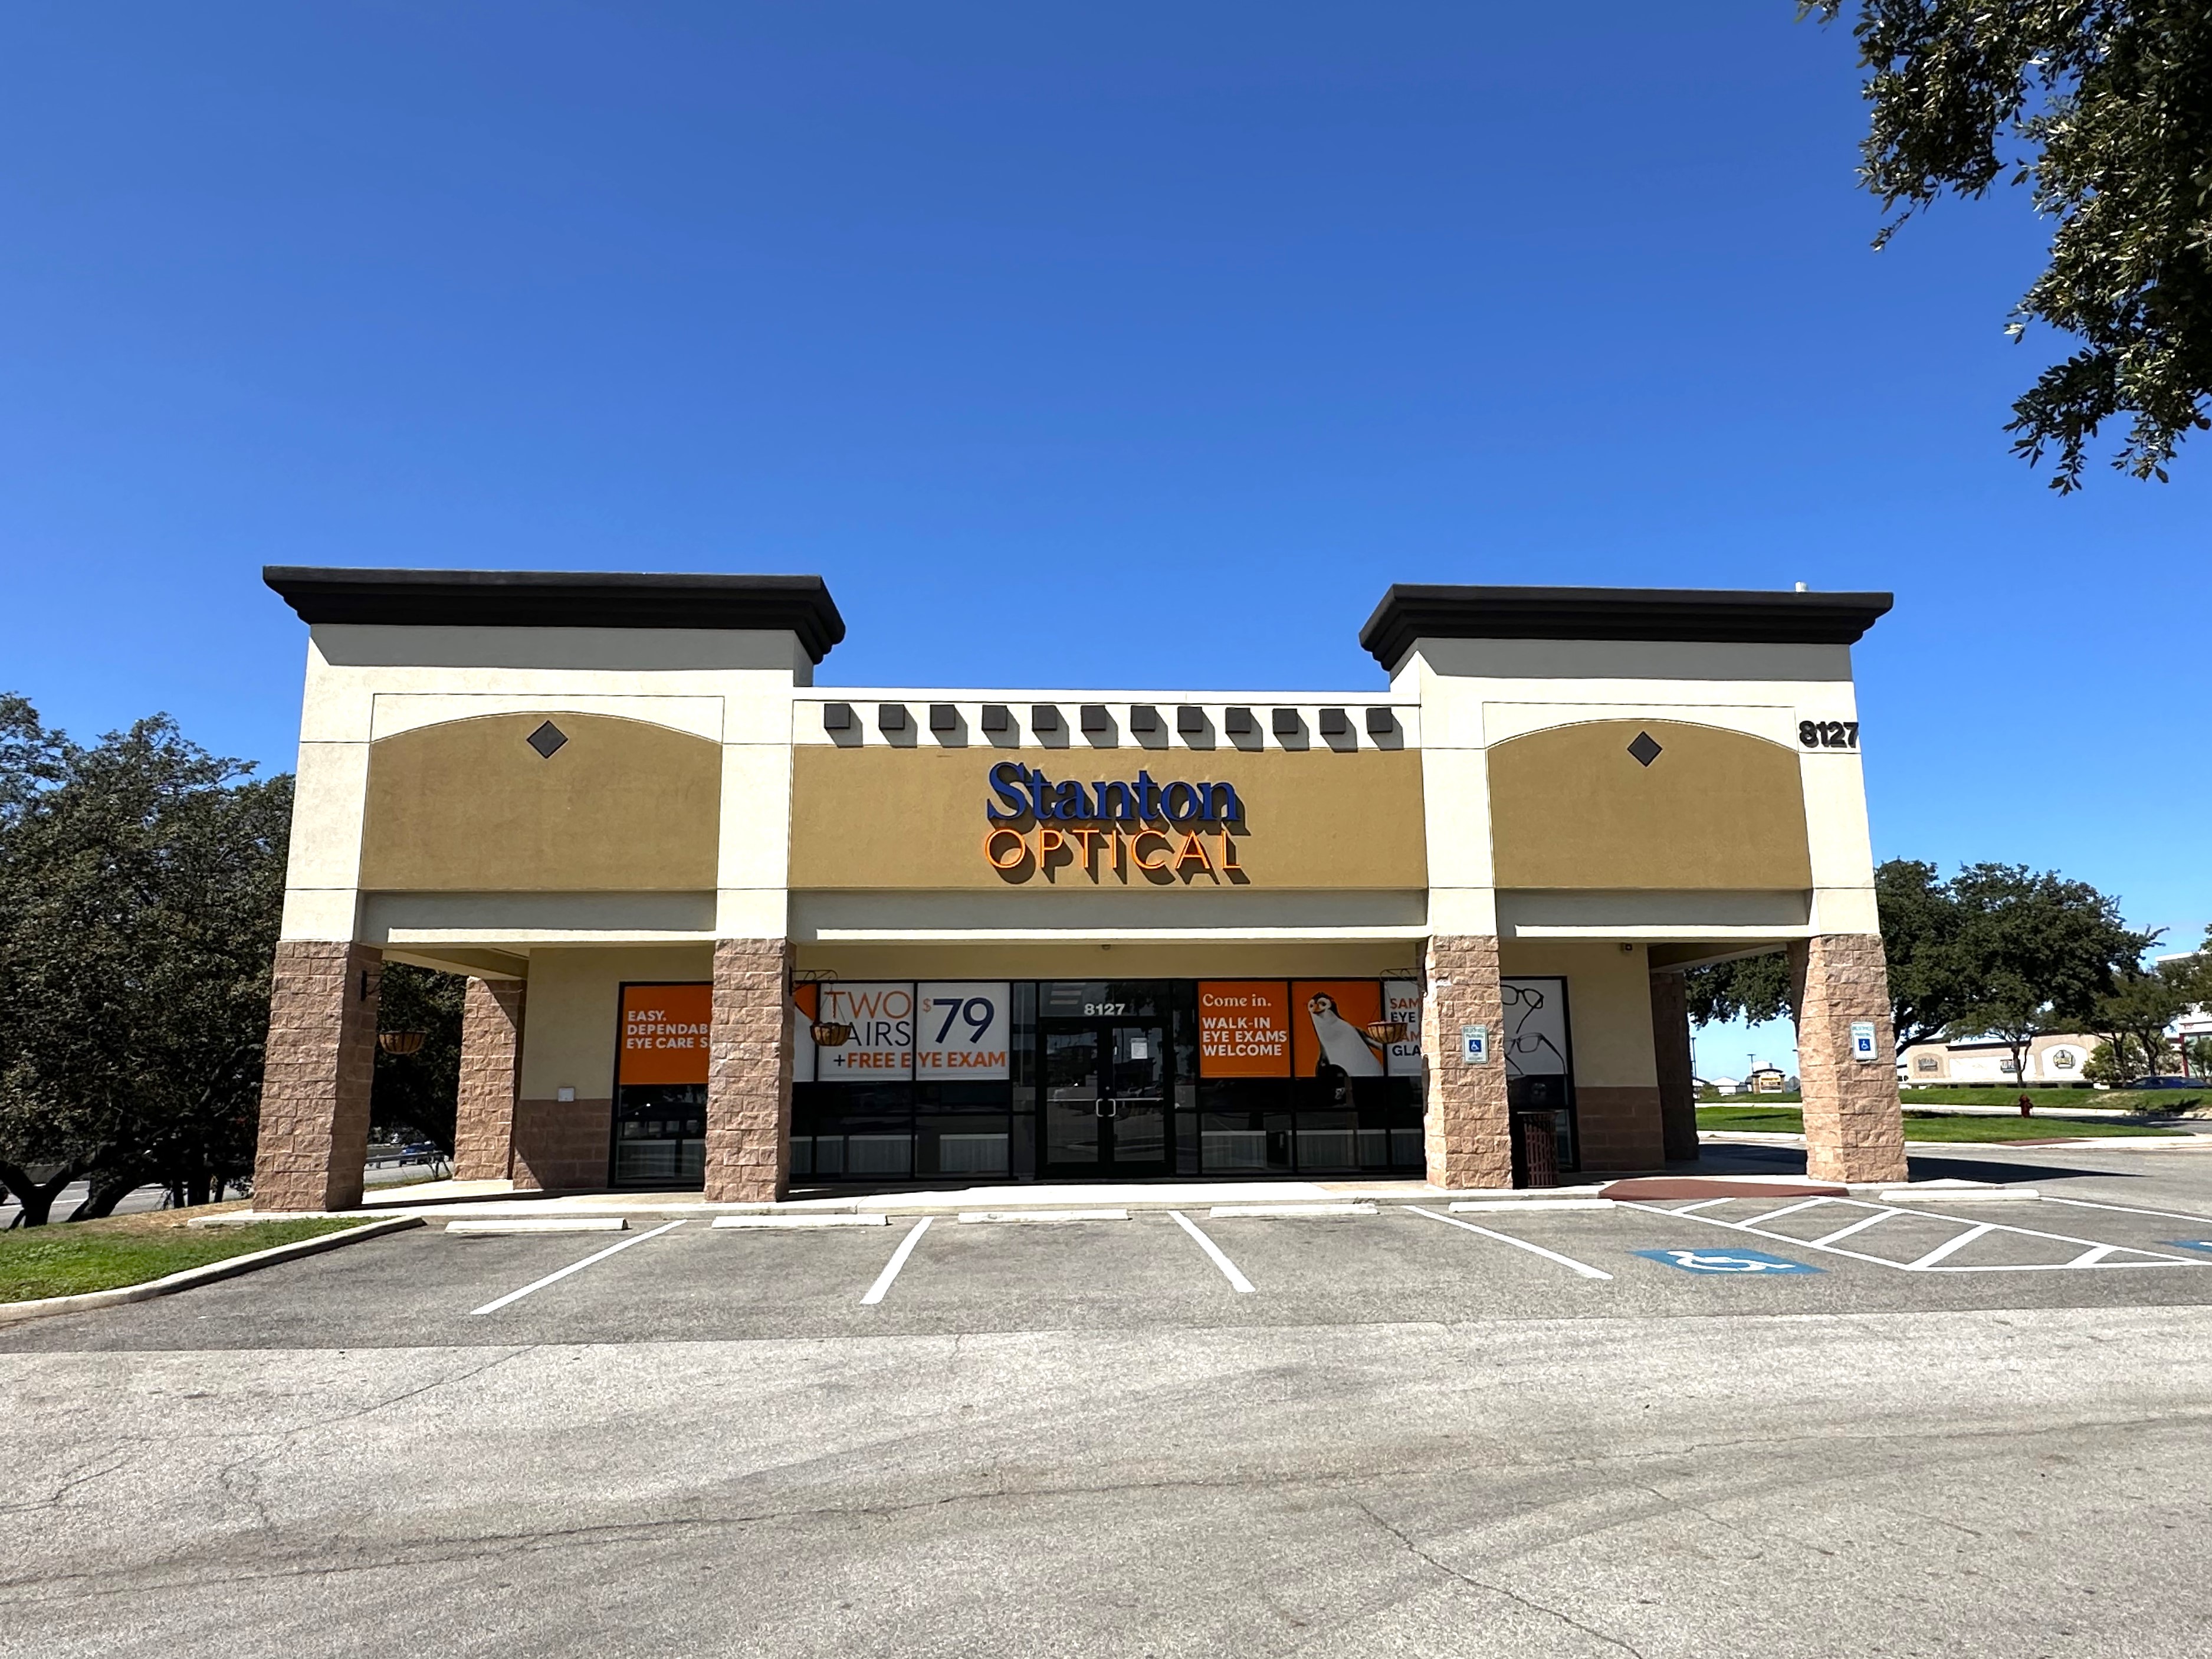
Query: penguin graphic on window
(1343, 1045)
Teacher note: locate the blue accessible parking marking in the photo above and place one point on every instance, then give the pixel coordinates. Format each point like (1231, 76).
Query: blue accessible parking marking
(1725, 1261)
(2203, 1244)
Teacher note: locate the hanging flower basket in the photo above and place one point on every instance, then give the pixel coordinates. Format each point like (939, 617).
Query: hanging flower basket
(401, 1042)
(1387, 1030)
(831, 1034)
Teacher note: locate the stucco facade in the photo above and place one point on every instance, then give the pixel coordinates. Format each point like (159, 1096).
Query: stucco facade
(1453, 903)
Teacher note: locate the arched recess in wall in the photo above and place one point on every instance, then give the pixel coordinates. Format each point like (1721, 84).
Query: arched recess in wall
(1647, 805)
(474, 805)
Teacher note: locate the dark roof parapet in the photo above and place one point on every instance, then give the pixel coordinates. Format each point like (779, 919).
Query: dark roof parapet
(559, 599)
(1411, 611)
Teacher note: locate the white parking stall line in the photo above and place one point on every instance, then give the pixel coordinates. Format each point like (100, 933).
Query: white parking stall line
(1702, 1204)
(898, 1259)
(1949, 1246)
(1792, 1209)
(1237, 1282)
(1567, 1261)
(1860, 1225)
(2091, 1258)
(572, 1267)
(2128, 1209)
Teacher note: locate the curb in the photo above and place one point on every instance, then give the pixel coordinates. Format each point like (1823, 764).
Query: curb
(14, 1313)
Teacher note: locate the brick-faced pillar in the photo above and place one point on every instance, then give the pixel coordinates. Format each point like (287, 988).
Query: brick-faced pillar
(1468, 1134)
(1854, 1125)
(1678, 1078)
(749, 1071)
(491, 1059)
(319, 1064)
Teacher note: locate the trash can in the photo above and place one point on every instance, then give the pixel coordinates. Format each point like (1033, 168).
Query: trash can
(1535, 1148)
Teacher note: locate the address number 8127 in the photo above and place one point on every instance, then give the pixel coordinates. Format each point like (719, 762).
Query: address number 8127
(1828, 734)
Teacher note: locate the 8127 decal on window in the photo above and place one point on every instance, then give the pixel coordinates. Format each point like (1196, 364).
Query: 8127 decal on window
(1828, 734)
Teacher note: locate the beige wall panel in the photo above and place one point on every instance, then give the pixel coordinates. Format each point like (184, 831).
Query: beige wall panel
(1608, 1007)
(902, 818)
(331, 786)
(470, 806)
(573, 1000)
(1457, 808)
(1604, 661)
(756, 816)
(405, 711)
(1571, 808)
(1077, 960)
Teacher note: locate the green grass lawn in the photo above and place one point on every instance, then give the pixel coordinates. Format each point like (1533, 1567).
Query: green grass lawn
(68, 1259)
(1926, 1126)
(2139, 1100)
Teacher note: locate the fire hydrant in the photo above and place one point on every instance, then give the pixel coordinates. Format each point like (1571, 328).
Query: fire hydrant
(2026, 1107)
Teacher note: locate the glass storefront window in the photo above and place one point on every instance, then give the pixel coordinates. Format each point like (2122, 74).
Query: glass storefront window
(660, 1134)
(1111, 1067)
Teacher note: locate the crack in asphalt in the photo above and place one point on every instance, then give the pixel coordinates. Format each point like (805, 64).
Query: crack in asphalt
(1512, 1596)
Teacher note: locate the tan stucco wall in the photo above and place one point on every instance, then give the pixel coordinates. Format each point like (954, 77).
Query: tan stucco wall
(888, 818)
(574, 1001)
(1608, 1007)
(1570, 807)
(470, 806)
(1167, 959)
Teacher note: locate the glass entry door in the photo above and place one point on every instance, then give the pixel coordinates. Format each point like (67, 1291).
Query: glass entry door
(1106, 1086)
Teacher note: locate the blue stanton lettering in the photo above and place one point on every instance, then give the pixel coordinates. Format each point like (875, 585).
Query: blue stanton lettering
(1026, 791)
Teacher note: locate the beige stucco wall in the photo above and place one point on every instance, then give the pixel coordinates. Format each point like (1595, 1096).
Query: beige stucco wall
(363, 684)
(1077, 959)
(622, 805)
(568, 1033)
(1477, 693)
(1571, 807)
(1609, 1006)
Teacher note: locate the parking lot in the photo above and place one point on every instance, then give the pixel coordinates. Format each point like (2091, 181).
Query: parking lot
(1232, 1264)
(1679, 1427)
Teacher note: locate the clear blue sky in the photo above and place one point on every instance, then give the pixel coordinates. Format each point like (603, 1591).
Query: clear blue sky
(1130, 344)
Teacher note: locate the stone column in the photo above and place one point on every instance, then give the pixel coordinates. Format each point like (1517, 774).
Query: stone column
(491, 1061)
(1468, 1134)
(1854, 1125)
(749, 1071)
(1678, 1085)
(318, 1069)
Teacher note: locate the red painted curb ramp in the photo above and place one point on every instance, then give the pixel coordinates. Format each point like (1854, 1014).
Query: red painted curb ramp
(1693, 1186)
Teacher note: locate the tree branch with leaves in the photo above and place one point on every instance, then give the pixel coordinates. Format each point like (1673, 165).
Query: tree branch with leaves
(2102, 109)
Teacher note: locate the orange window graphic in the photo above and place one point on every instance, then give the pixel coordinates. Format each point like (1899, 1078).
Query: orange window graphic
(1243, 1028)
(664, 1033)
(1330, 1017)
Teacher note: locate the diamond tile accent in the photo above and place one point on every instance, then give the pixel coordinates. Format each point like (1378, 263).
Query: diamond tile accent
(547, 740)
(1645, 749)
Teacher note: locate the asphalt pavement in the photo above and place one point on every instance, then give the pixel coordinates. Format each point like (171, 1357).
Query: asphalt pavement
(1755, 1426)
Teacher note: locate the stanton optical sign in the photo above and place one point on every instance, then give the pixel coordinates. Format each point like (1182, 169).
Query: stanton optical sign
(1164, 832)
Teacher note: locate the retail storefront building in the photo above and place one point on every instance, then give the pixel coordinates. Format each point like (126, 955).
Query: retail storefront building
(723, 929)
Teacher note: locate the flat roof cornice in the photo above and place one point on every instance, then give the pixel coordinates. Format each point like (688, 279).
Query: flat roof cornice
(560, 598)
(1727, 615)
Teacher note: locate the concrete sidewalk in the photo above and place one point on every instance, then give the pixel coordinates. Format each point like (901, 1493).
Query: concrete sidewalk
(488, 1199)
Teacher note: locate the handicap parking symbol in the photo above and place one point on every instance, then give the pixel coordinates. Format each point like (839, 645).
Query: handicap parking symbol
(2203, 1244)
(1726, 1261)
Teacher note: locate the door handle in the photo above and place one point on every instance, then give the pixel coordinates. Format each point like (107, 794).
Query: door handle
(1109, 1109)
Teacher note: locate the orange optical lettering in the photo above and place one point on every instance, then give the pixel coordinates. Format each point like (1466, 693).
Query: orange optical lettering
(1021, 849)
(1193, 851)
(1136, 842)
